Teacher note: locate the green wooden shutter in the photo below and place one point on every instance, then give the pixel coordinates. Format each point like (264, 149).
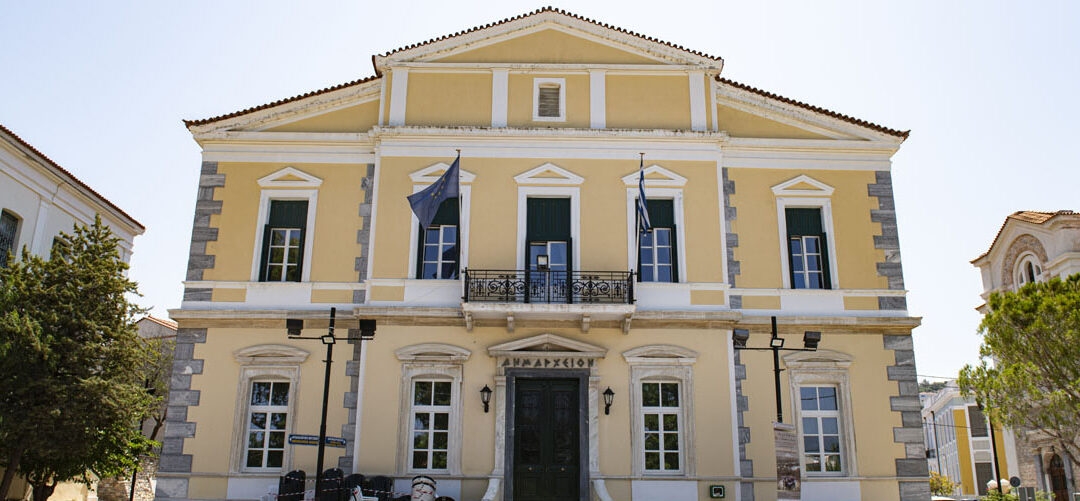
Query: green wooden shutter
(265, 253)
(825, 274)
(548, 219)
(803, 221)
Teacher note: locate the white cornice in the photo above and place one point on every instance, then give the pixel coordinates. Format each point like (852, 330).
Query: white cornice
(294, 110)
(547, 20)
(797, 116)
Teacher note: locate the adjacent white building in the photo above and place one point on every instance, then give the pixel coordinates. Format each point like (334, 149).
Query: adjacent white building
(39, 199)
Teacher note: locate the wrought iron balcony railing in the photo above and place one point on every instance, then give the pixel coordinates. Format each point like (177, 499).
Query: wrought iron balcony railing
(548, 286)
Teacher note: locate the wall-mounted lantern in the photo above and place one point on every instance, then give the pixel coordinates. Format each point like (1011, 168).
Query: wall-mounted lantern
(609, 396)
(485, 397)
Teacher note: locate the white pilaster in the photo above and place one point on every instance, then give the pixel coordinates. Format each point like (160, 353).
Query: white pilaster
(597, 99)
(399, 89)
(38, 244)
(697, 100)
(499, 81)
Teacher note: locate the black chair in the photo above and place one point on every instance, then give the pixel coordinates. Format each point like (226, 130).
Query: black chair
(291, 486)
(352, 482)
(333, 486)
(380, 487)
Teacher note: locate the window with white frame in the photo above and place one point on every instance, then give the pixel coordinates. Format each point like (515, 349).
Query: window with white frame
(819, 411)
(1027, 270)
(661, 413)
(283, 241)
(431, 409)
(439, 250)
(657, 248)
(662, 427)
(267, 425)
(808, 259)
(549, 99)
(9, 233)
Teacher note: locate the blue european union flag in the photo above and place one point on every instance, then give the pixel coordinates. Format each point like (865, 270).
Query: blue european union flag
(425, 204)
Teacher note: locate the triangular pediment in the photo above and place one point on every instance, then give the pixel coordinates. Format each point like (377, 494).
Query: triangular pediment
(548, 173)
(655, 175)
(289, 177)
(433, 172)
(546, 344)
(549, 36)
(804, 186)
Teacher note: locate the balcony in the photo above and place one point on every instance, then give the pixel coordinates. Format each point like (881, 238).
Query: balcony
(549, 286)
(549, 295)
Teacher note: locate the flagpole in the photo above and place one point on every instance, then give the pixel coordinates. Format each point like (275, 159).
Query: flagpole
(461, 223)
(637, 225)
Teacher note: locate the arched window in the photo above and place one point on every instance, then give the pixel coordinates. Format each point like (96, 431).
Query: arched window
(1028, 270)
(9, 234)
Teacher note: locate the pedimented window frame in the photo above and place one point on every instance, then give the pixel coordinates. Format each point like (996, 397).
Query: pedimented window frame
(306, 180)
(431, 362)
(264, 362)
(673, 179)
(660, 363)
(784, 189)
(529, 176)
(828, 368)
(422, 179)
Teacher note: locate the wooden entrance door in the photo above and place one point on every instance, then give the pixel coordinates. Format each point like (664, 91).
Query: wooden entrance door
(546, 434)
(1058, 484)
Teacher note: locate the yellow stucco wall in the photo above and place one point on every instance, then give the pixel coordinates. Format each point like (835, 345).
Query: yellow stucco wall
(520, 104)
(963, 452)
(493, 237)
(739, 123)
(759, 249)
(356, 118)
(648, 101)
(445, 99)
(219, 391)
(548, 46)
(337, 220)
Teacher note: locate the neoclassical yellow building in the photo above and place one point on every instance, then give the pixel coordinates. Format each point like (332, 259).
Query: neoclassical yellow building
(506, 327)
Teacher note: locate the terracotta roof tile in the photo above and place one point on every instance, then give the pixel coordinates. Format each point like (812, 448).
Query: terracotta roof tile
(203, 121)
(853, 120)
(161, 321)
(1027, 216)
(64, 173)
(557, 11)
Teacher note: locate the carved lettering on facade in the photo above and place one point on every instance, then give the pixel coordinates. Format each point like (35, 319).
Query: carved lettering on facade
(549, 363)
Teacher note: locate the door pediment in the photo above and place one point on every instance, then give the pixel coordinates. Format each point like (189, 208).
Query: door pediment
(547, 346)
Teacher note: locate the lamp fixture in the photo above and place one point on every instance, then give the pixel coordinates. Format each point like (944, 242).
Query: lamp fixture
(776, 342)
(485, 397)
(542, 262)
(328, 339)
(740, 337)
(294, 325)
(811, 339)
(609, 396)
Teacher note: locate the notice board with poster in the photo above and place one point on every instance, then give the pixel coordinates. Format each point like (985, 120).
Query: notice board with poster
(788, 471)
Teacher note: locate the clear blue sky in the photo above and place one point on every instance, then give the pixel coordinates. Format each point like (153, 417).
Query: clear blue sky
(989, 91)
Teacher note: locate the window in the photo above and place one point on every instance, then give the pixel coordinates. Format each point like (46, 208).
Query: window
(549, 99)
(657, 248)
(430, 424)
(660, 415)
(1028, 270)
(976, 422)
(9, 231)
(268, 415)
(439, 252)
(283, 241)
(808, 257)
(821, 436)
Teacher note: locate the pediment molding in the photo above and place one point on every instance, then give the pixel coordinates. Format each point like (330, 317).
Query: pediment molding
(819, 359)
(813, 187)
(271, 354)
(290, 177)
(547, 345)
(660, 177)
(548, 19)
(536, 175)
(432, 352)
(660, 354)
(433, 172)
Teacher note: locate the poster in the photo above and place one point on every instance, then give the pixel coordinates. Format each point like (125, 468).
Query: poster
(788, 471)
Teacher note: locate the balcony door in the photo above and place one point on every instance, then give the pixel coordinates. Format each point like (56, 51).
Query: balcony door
(547, 238)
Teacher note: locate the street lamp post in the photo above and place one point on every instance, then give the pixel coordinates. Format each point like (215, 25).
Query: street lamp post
(776, 345)
(993, 448)
(367, 331)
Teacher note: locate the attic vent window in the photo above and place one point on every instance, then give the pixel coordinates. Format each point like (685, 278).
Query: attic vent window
(549, 99)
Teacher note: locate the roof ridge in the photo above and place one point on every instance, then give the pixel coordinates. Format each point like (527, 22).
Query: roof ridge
(70, 176)
(817, 109)
(556, 11)
(1050, 215)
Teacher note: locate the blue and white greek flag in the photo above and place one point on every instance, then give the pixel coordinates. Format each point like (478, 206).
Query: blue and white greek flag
(644, 226)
